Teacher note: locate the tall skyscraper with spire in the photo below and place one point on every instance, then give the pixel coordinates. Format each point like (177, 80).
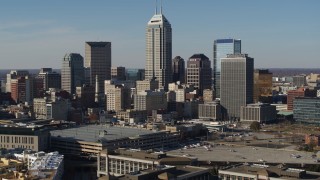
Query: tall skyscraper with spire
(159, 50)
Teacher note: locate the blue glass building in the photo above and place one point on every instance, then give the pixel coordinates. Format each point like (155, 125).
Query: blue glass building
(221, 48)
(306, 110)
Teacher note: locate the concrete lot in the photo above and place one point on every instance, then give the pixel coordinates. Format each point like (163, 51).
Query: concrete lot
(240, 153)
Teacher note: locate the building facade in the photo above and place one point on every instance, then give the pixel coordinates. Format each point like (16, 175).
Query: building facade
(117, 97)
(159, 50)
(148, 84)
(236, 83)
(150, 100)
(221, 48)
(210, 111)
(98, 60)
(118, 73)
(199, 72)
(306, 110)
(262, 84)
(34, 138)
(178, 69)
(72, 72)
(262, 113)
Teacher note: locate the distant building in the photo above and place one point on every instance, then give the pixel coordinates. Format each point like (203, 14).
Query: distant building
(262, 113)
(85, 94)
(221, 48)
(14, 74)
(159, 50)
(98, 59)
(34, 138)
(135, 74)
(306, 110)
(199, 72)
(22, 89)
(118, 73)
(299, 81)
(262, 85)
(150, 100)
(56, 108)
(50, 78)
(147, 84)
(72, 72)
(236, 83)
(178, 69)
(210, 111)
(132, 116)
(208, 95)
(300, 92)
(117, 97)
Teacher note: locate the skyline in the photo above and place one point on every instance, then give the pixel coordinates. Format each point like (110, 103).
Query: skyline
(37, 34)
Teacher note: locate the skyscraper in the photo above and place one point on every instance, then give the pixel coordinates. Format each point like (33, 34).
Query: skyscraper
(199, 72)
(178, 69)
(98, 59)
(221, 48)
(236, 83)
(72, 72)
(159, 50)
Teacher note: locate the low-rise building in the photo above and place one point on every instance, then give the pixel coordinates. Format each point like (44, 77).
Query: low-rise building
(265, 172)
(260, 112)
(43, 165)
(27, 137)
(130, 161)
(312, 139)
(210, 111)
(132, 116)
(56, 109)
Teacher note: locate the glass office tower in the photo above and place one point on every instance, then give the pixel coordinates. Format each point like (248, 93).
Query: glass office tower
(221, 48)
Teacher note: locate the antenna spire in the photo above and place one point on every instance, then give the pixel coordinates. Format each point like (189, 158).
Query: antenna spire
(156, 10)
(161, 7)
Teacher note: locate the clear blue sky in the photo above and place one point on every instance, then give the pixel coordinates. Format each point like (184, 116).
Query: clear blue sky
(277, 33)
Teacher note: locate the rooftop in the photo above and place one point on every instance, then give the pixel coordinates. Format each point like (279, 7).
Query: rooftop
(96, 133)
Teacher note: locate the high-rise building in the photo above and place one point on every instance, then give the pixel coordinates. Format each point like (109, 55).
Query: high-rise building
(21, 89)
(178, 69)
(236, 83)
(117, 97)
(221, 48)
(159, 50)
(262, 85)
(98, 59)
(199, 72)
(14, 74)
(118, 73)
(50, 78)
(72, 72)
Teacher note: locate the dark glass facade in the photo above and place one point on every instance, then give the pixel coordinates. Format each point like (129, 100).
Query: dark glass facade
(306, 110)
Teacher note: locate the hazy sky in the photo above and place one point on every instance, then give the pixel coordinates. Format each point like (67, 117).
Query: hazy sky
(277, 33)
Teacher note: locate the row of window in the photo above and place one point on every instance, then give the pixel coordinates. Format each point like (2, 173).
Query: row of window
(24, 140)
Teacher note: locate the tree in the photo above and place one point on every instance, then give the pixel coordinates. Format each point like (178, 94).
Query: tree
(255, 126)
